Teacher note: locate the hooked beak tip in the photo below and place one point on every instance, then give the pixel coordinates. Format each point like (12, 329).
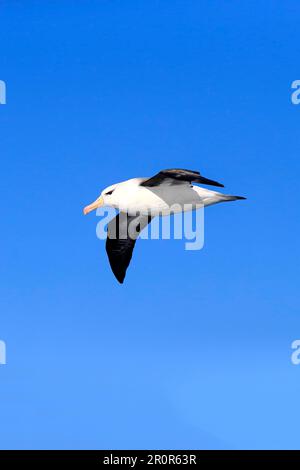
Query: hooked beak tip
(91, 207)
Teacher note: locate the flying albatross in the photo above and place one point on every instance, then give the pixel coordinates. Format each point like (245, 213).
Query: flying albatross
(140, 199)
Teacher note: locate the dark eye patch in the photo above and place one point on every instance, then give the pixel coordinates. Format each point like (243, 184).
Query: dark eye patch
(109, 192)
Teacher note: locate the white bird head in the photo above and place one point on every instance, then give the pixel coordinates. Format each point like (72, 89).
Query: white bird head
(106, 198)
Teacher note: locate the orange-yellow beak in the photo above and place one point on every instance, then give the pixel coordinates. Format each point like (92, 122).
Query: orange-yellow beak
(98, 203)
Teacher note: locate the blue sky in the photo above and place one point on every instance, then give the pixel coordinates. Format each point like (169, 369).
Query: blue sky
(193, 351)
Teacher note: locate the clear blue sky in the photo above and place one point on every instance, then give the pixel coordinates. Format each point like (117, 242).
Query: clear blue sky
(193, 351)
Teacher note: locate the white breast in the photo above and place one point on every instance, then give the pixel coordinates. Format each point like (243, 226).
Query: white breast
(132, 198)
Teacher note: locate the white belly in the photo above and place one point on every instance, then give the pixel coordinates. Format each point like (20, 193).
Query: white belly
(160, 200)
(143, 201)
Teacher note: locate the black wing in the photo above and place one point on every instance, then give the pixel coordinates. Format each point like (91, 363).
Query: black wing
(178, 176)
(122, 233)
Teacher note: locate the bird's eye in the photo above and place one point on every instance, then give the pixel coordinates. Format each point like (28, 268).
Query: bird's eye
(109, 192)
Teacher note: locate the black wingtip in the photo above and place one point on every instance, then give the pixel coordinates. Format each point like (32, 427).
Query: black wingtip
(202, 180)
(119, 276)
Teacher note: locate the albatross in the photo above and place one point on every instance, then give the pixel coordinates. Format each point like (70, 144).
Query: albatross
(138, 200)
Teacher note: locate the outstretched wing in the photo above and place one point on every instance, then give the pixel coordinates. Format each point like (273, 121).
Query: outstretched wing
(178, 176)
(122, 233)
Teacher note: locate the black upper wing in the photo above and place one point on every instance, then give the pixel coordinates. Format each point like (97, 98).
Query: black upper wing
(178, 176)
(122, 234)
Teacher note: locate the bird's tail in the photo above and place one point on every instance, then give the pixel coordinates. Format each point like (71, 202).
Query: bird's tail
(232, 198)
